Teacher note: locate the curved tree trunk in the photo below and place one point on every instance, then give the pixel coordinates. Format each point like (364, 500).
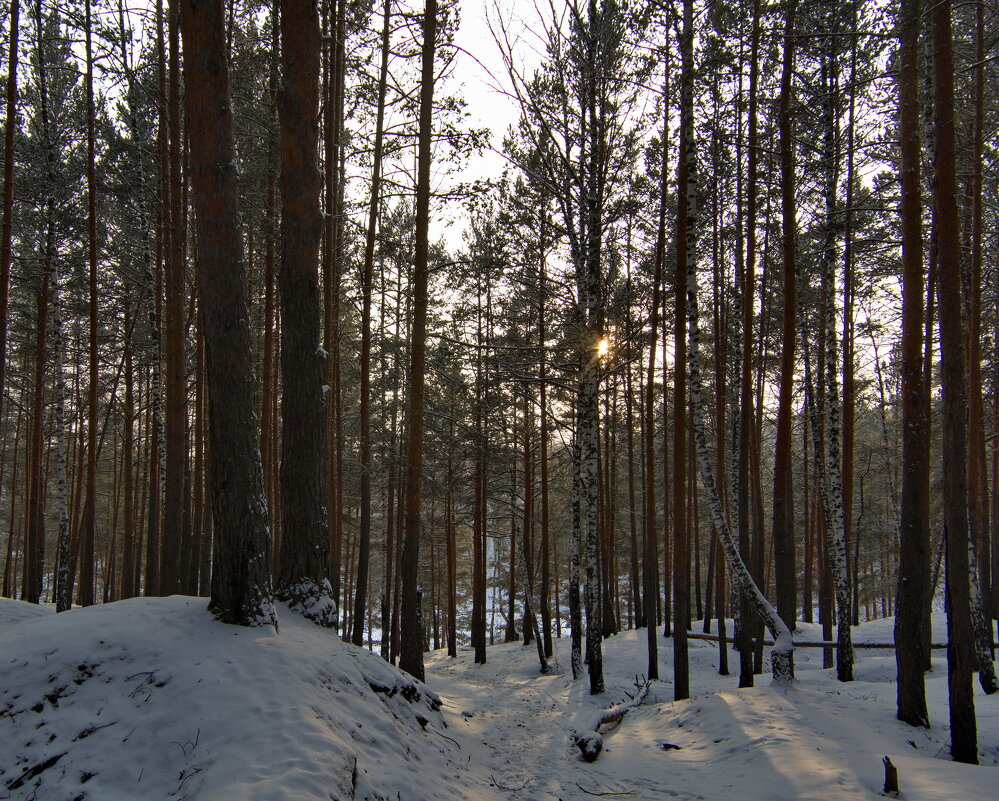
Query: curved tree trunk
(782, 655)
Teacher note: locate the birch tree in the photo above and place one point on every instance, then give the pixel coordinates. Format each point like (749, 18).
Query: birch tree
(782, 655)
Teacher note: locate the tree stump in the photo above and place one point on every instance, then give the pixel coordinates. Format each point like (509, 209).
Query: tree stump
(891, 777)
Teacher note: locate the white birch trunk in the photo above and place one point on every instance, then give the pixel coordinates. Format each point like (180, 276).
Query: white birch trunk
(844, 648)
(782, 654)
(63, 587)
(588, 444)
(575, 618)
(832, 484)
(156, 391)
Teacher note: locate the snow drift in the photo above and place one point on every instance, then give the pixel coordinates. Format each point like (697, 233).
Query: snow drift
(152, 699)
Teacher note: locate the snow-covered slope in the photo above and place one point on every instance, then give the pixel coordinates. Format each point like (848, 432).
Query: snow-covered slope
(152, 699)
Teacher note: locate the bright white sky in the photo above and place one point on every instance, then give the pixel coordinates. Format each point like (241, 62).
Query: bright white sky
(480, 77)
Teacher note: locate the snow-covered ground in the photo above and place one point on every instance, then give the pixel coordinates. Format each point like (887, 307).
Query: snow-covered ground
(151, 699)
(817, 739)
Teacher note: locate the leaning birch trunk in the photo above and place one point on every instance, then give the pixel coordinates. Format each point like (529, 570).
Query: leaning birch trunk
(64, 585)
(782, 655)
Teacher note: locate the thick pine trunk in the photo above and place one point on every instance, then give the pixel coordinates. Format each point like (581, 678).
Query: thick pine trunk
(301, 578)
(981, 606)
(34, 537)
(914, 532)
(175, 418)
(411, 650)
(241, 583)
(960, 655)
(783, 492)
(685, 261)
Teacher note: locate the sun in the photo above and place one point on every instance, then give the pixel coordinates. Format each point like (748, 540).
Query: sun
(603, 347)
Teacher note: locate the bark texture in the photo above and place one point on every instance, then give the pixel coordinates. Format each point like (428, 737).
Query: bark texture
(241, 583)
(301, 578)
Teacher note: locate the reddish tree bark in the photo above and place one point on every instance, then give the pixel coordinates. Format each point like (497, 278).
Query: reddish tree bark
(241, 584)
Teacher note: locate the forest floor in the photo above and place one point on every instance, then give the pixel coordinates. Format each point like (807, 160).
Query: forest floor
(817, 739)
(152, 699)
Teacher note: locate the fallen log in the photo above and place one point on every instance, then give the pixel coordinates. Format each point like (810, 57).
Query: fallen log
(884, 646)
(590, 742)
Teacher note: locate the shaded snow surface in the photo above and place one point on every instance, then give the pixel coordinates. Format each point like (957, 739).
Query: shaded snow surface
(152, 699)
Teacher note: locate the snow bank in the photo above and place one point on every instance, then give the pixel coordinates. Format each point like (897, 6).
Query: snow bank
(152, 699)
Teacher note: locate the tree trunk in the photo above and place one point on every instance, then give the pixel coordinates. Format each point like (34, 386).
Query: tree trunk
(650, 567)
(832, 471)
(981, 606)
(747, 286)
(332, 272)
(960, 656)
(686, 260)
(914, 530)
(783, 493)
(63, 580)
(175, 419)
(241, 584)
(575, 610)
(301, 579)
(546, 614)
(10, 128)
(364, 545)
(34, 537)
(129, 554)
(411, 651)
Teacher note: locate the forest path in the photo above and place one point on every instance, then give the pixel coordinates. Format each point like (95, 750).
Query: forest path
(816, 740)
(517, 724)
